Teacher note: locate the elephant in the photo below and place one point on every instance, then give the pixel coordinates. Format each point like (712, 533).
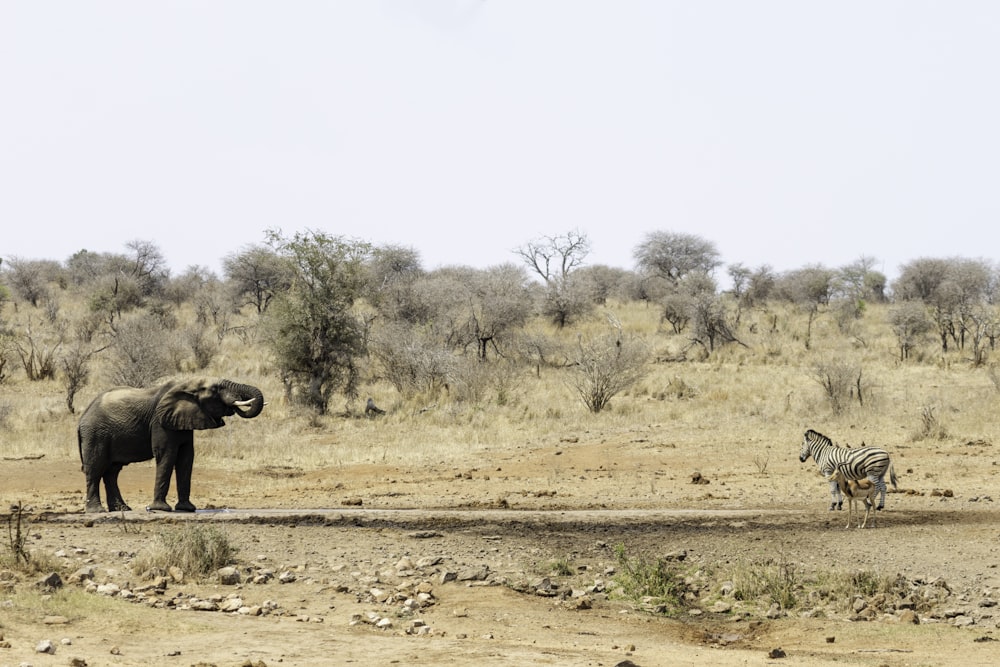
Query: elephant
(124, 425)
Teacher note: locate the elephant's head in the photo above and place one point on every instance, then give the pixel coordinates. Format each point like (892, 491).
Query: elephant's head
(202, 404)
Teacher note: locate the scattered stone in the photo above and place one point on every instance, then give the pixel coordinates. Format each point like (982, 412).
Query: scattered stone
(85, 573)
(110, 590)
(353, 501)
(55, 620)
(696, 478)
(722, 607)
(474, 573)
(776, 653)
(45, 646)
(229, 576)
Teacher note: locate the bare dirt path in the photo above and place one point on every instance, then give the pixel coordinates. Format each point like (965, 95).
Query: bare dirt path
(334, 557)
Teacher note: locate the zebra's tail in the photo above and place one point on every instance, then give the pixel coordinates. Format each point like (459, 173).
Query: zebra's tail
(892, 476)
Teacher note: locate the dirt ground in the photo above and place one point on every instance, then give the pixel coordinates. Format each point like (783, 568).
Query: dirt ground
(482, 543)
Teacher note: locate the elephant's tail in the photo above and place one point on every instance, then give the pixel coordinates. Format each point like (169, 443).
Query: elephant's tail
(79, 444)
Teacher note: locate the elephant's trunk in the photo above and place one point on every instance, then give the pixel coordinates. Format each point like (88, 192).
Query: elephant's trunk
(249, 400)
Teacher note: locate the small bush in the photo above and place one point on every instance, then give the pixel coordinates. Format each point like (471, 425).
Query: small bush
(657, 583)
(196, 550)
(774, 581)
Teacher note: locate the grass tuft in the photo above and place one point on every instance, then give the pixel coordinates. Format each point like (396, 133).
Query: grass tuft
(196, 550)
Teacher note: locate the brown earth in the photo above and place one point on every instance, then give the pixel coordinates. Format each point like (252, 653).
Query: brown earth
(513, 521)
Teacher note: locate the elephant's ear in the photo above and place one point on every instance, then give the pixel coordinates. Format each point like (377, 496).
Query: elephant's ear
(178, 410)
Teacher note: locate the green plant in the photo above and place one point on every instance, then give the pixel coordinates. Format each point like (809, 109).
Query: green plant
(657, 582)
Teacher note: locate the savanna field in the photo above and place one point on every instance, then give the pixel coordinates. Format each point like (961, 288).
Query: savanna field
(674, 526)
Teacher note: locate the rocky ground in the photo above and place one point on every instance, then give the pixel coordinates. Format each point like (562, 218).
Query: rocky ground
(502, 567)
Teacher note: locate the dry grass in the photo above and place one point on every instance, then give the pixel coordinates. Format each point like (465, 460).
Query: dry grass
(741, 405)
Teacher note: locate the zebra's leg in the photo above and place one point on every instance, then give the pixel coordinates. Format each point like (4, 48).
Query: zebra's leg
(880, 485)
(836, 499)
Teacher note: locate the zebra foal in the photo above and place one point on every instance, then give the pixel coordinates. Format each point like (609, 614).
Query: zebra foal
(867, 462)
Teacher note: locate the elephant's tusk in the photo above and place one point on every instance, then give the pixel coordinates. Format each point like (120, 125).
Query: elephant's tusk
(244, 404)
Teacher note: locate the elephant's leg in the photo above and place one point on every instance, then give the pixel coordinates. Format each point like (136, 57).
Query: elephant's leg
(93, 490)
(165, 453)
(115, 501)
(184, 466)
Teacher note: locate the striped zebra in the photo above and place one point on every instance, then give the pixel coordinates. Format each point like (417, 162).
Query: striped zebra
(865, 462)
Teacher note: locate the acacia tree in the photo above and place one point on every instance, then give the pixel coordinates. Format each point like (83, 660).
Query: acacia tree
(809, 288)
(908, 321)
(312, 329)
(952, 289)
(497, 301)
(256, 273)
(673, 255)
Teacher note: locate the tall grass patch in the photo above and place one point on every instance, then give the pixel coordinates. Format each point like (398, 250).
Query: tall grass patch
(195, 549)
(654, 583)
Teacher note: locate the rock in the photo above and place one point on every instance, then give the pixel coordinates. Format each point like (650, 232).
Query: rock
(229, 576)
(447, 576)
(231, 604)
(204, 605)
(909, 616)
(474, 573)
(55, 620)
(110, 590)
(85, 573)
(45, 646)
(775, 653)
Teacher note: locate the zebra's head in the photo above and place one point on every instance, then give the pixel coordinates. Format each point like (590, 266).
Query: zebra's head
(807, 441)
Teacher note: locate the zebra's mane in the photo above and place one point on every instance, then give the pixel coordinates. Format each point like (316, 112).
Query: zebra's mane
(816, 435)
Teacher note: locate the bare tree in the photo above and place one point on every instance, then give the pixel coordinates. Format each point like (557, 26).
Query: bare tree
(555, 259)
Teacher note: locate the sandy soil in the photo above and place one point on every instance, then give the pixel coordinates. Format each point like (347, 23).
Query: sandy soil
(510, 522)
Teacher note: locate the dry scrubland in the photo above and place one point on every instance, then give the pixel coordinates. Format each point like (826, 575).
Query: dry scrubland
(736, 417)
(741, 406)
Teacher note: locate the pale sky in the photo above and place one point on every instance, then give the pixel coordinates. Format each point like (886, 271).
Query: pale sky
(788, 133)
